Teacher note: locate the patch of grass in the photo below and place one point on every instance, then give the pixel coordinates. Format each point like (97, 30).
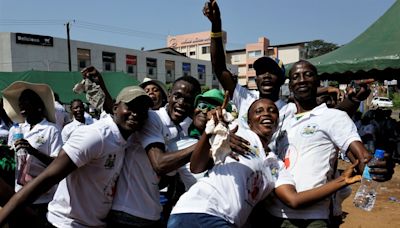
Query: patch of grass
(396, 100)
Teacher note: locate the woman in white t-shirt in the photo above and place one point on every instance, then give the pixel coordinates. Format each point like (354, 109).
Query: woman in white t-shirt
(230, 190)
(31, 106)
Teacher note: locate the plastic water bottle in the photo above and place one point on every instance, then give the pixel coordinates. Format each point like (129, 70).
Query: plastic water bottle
(21, 156)
(366, 194)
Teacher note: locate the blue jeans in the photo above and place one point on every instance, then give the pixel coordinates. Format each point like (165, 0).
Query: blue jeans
(197, 220)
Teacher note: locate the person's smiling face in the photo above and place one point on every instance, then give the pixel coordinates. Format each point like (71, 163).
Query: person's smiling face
(303, 81)
(131, 116)
(181, 101)
(263, 117)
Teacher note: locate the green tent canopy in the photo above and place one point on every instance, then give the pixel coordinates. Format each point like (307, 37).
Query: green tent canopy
(375, 53)
(63, 82)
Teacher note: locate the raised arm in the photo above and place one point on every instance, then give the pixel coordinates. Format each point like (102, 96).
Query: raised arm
(201, 158)
(211, 11)
(54, 173)
(94, 75)
(358, 93)
(288, 194)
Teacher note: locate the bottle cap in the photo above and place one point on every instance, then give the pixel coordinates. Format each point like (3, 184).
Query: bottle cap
(379, 153)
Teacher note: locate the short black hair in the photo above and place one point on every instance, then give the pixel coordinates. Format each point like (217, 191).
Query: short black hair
(191, 80)
(302, 61)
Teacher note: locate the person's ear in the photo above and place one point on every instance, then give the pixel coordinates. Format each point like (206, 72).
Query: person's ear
(115, 108)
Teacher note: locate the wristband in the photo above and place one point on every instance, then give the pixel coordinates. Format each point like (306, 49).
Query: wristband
(216, 34)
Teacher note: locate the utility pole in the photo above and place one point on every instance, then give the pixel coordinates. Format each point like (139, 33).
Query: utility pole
(69, 48)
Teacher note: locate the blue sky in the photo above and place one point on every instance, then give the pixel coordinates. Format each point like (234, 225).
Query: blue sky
(146, 23)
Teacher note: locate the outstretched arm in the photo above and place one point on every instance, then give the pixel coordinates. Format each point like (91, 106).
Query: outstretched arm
(53, 174)
(288, 194)
(163, 162)
(381, 171)
(211, 11)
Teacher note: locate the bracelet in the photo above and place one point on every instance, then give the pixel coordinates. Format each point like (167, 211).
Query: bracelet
(216, 34)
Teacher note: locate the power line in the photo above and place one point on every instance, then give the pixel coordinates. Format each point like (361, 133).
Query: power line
(30, 22)
(119, 30)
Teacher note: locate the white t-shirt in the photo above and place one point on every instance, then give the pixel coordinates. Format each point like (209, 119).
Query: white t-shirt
(88, 118)
(62, 116)
(46, 138)
(137, 189)
(173, 134)
(233, 188)
(70, 127)
(243, 98)
(85, 196)
(307, 145)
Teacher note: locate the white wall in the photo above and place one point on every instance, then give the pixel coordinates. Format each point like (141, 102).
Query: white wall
(21, 57)
(5, 52)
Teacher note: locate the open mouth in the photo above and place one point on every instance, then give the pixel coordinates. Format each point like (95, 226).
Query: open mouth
(303, 89)
(267, 85)
(267, 122)
(133, 124)
(179, 112)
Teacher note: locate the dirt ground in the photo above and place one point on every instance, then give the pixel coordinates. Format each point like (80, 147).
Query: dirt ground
(386, 212)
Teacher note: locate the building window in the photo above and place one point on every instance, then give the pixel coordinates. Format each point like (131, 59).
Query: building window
(169, 71)
(205, 50)
(192, 53)
(131, 65)
(236, 58)
(108, 61)
(255, 54)
(151, 64)
(250, 67)
(83, 58)
(186, 69)
(201, 72)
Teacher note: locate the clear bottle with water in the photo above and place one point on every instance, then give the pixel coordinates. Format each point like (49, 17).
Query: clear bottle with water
(366, 194)
(20, 155)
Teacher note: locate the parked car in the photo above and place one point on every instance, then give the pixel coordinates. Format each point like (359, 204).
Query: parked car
(381, 102)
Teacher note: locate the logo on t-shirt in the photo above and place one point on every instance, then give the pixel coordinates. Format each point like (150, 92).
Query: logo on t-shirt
(40, 139)
(309, 130)
(109, 164)
(273, 166)
(254, 186)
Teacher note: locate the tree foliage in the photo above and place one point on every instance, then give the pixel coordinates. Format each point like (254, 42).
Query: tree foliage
(319, 47)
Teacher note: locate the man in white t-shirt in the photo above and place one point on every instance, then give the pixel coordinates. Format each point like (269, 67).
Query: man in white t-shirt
(78, 113)
(307, 140)
(159, 139)
(270, 76)
(88, 166)
(270, 72)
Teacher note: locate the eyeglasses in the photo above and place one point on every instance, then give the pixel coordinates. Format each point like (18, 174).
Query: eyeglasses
(204, 106)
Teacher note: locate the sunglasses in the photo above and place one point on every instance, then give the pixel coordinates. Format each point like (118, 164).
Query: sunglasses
(204, 106)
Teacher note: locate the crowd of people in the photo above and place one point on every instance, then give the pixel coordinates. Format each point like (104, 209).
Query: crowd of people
(183, 158)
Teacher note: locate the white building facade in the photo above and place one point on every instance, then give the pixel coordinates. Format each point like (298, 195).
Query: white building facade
(21, 52)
